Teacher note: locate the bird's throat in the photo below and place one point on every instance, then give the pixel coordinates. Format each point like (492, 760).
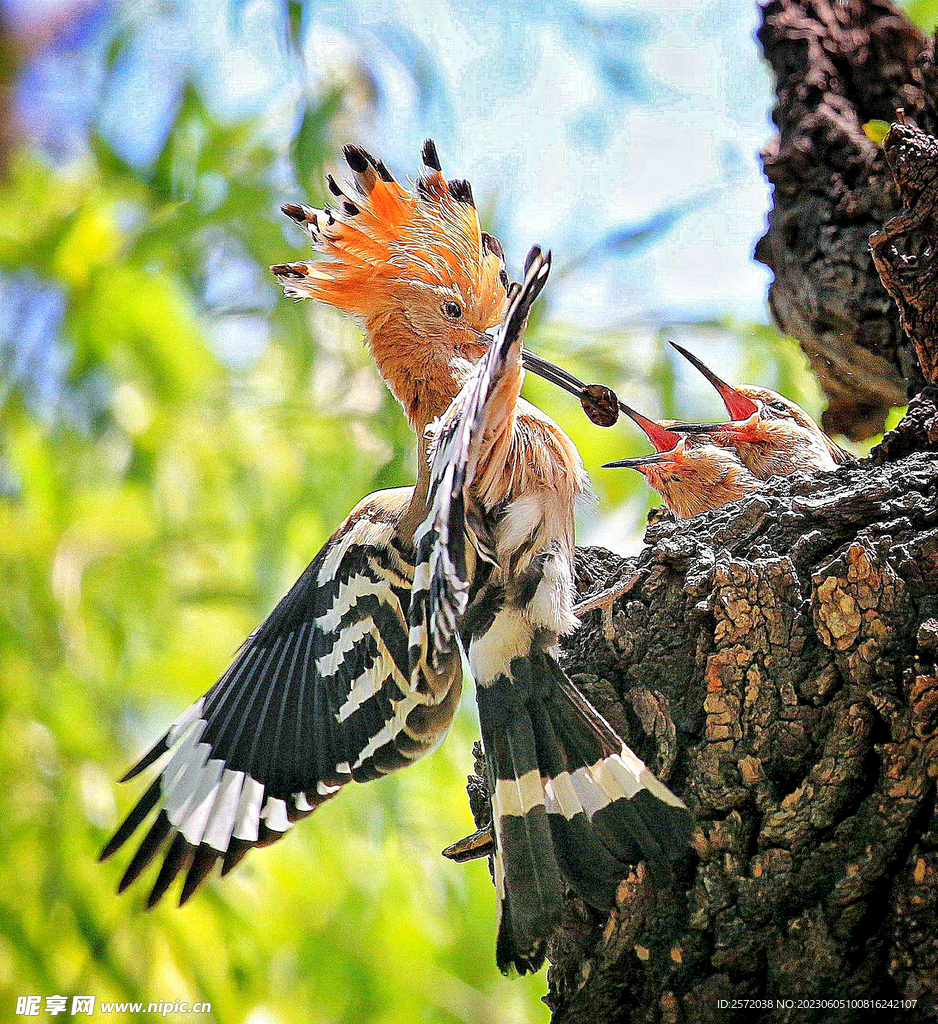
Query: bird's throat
(419, 373)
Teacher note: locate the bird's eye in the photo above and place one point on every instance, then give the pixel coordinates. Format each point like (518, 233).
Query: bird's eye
(452, 309)
(778, 407)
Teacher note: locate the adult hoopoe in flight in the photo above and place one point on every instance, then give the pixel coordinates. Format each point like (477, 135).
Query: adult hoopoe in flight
(356, 672)
(571, 804)
(771, 434)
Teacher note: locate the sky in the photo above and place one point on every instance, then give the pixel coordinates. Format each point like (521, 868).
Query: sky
(576, 123)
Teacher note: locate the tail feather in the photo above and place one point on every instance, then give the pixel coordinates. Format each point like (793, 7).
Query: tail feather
(606, 798)
(528, 879)
(570, 804)
(590, 868)
(631, 801)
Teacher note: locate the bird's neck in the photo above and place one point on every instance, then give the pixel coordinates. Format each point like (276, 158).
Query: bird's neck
(420, 372)
(417, 510)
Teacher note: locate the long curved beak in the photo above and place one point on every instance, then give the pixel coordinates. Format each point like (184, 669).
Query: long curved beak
(663, 439)
(737, 404)
(740, 427)
(553, 373)
(599, 402)
(705, 428)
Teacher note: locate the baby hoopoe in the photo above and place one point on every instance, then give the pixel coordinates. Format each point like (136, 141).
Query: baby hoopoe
(691, 475)
(771, 434)
(693, 478)
(356, 672)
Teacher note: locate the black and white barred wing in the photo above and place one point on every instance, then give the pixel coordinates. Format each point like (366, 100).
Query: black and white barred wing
(319, 694)
(442, 573)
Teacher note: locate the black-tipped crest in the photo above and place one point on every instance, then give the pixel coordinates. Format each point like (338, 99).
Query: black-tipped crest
(461, 191)
(295, 271)
(493, 245)
(356, 158)
(301, 214)
(430, 156)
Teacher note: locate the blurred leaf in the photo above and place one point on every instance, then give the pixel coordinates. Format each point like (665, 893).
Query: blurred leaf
(311, 143)
(295, 22)
(876, 131)
(923, 12)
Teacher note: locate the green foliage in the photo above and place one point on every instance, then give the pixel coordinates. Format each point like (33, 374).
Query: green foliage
(923, 12)
(876, 131)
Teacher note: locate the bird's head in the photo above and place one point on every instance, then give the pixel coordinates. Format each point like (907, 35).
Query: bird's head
(414, 266)
(760, 416)
(692, 478)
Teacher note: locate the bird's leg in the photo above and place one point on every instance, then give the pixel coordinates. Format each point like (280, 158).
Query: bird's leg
(605, 600)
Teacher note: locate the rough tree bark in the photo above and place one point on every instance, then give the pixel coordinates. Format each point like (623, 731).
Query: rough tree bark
(776, 663)
(839, 65)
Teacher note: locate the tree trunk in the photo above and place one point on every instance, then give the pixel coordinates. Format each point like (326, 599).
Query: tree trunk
(776, 663)
(838, 66)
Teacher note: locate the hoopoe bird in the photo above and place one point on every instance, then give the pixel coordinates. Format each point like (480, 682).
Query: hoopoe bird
(356, 673)
(571, 804)
(693, 478)
(771, 434)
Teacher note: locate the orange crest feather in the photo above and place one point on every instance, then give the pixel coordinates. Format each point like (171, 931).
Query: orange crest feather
(381, 233)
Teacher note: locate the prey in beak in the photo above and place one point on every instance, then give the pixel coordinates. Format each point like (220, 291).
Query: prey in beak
(600, 403)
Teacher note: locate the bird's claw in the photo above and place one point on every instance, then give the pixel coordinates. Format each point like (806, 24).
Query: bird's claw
(479, 844)
(604, 600)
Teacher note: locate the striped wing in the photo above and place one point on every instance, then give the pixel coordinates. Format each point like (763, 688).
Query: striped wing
(442, 575)
(319, 694)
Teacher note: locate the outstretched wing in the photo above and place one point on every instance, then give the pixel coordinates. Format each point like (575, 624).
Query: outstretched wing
(319, 694)
(480, 413)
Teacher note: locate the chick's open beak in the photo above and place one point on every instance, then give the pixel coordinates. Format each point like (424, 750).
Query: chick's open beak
(741, 428)
(737, 404)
